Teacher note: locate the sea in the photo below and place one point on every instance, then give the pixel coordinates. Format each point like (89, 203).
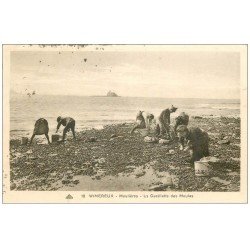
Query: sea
(96, 112)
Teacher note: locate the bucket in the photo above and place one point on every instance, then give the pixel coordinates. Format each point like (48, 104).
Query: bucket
(55, 138)
(144, 132)
(201, 168)
(24, 141)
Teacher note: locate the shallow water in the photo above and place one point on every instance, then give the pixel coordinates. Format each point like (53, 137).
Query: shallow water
(135, 181)
(96, 112)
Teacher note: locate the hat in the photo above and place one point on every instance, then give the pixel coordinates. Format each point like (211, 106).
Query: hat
(59, 118)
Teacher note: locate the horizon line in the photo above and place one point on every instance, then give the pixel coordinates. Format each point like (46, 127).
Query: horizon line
(136, 96)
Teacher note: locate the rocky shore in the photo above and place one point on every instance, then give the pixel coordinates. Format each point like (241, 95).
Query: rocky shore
(111, 159)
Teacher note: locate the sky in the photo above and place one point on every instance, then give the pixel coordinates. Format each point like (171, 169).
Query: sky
(170, 74)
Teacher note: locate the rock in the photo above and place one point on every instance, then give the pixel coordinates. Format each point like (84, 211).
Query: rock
(65, 181)
(76, 182)
(28, 163)
(113, 136)
(171, 167)
(33, 158)
(170, 152)
(210, 159)
(92, 139)
(101, 160)
(223, 182)
(235, 159)
(150, 139)
(197, 117)
(166, 182)
(233, 174)
(140, 174)
(227, 141)
(55, 138)
(69, 177)
(12, 186)
(209, 185)
(163, 141)
(51, 155)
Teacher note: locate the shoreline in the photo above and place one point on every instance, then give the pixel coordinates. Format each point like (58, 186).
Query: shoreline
(117, 160)
(15, 133)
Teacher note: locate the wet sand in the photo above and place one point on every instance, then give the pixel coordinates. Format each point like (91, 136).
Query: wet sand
(111, 159)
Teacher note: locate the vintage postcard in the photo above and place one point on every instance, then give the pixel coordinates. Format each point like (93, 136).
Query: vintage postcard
(124, 123)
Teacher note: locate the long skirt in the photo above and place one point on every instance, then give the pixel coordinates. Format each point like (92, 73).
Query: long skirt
(41, 127)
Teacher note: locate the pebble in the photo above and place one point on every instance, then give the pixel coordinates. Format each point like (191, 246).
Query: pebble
(51, 155)
(33, 158)
(163, 141)
(209, 185)
(233, 174)
(226, 141)
(224, 182)
(150, 139)
(235, 159)
(76, 182)
(101, 160)
(65, 181)
(160, 187)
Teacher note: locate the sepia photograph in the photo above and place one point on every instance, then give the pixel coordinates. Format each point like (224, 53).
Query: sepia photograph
(125, 123)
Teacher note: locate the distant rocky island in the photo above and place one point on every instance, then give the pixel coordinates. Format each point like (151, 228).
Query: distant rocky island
(112, 94)
(109, 94)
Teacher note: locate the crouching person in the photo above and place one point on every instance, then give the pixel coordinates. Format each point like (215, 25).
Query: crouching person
(41, 128)
(68, 123)
(196, 141)
(181, 119)
(143, 120)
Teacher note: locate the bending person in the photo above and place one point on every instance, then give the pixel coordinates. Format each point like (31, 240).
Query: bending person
(143, 120)
(41, 128)
(163, 122)
(68, 123)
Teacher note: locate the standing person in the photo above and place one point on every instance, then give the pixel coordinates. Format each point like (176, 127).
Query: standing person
(68, 123)
(163, 121)
(41, 128)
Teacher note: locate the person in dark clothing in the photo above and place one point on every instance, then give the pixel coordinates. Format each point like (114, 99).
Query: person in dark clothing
(196, 140)
(163, 122)
(68, 123)
(181, 119)
(41, 128)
